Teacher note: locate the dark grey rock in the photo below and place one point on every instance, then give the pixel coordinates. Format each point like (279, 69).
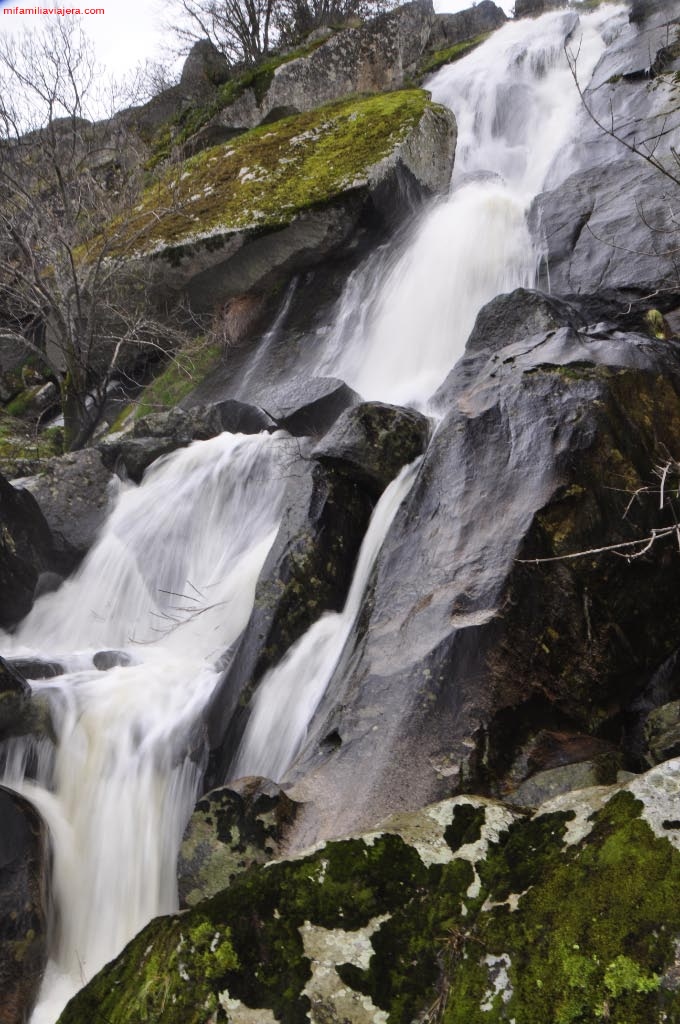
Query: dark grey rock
(73, 495)
(307, 407)
(449, 29)
(372, 441)
(554, 781)
(662, 733)
(24, 867)
(15, 701)
(462, 651)
(34, 668)
(231, 829)
(26, 550)
(532, 8)
(104, 660)
(136, 454)
(308, 571)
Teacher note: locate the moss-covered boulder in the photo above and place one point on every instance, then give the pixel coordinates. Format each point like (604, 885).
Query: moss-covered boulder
(280, 197)
(467, 912)
(231, 829)
(24, 867)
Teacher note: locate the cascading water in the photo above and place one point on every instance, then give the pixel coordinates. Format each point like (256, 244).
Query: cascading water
(169, 585)
(404, 318)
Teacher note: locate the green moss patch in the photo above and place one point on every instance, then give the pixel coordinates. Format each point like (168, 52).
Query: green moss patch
(264, 177)
(22, 450)
(534, 931)
(181, 375)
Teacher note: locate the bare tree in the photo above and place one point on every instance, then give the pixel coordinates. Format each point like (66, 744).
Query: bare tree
(68, 185)
(245, 31)
(240, 29)
(295, 19)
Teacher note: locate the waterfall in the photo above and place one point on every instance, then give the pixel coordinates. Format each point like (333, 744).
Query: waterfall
(169, 586)
(405, 315)
(289, 694)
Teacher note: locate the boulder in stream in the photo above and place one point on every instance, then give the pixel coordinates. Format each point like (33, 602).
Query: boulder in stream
(25, 551)
(24, 867)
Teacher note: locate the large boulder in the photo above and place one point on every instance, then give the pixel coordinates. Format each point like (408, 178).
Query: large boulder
(24, 866)
(307, 408)
(25, 551)
(74, 493)
(372, 441)
(307, 571)
(278, 199)
(469, 642)
(466, 911)
(450, 29)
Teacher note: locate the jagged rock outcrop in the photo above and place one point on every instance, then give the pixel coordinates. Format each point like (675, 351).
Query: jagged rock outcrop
(25, 551)
(467, 646)
(378, 56)
(468, 909)
(24, 865)
(278, 200)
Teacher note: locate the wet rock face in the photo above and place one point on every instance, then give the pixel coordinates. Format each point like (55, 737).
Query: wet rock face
(466, 646)
(308, 571)
(608, 225)
(25, 551)
(231, 829)
(15, 701)
(23, 906)
(569, 913)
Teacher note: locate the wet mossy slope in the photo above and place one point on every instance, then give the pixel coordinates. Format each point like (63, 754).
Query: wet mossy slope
(467, 912)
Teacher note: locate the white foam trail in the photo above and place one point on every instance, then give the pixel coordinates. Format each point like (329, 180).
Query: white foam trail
(404, 320)
(171, 582)
(289, 694)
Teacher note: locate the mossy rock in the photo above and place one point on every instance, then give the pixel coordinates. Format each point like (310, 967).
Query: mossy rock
(467, 912)
(266, 176)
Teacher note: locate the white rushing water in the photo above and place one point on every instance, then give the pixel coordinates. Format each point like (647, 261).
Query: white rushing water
(404, 318)
(289, 694)
(170, 583)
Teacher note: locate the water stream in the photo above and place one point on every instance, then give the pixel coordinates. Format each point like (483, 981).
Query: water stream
(170, 583)
(405, 315)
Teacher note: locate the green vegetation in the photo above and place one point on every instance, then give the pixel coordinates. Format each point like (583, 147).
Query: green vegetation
(451, 54)
(183, 373)
(264, 177)
(21, 448)
(536, 931)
